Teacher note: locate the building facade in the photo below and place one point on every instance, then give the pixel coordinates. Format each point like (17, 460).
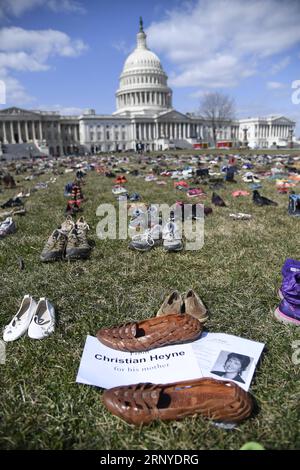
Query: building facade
(144, 119)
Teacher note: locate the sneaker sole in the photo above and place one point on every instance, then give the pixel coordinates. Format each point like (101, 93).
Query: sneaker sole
(284, 318)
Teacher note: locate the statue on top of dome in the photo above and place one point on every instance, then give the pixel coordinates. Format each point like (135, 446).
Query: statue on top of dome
(141, 25)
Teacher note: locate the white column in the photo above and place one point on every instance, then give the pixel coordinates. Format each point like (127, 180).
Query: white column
(41, 130)
(12, 133)
(33, 130)
(4, 132)
(19, 133)
(26, 131)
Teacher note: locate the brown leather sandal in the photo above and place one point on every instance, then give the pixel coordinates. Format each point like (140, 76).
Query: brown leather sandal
(219, 400)
(152, 333)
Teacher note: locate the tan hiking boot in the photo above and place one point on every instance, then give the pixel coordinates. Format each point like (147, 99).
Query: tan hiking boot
(77, 246)
(67, 225)
(54, 247)
(172, 304)
(194, 306)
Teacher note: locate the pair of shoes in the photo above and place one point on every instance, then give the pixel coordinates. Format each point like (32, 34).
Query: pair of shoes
(36, 318)
(67, 242)
(121, 179)
(288, 310)
(7, 227)
(143, 403)
(190, 304)
(168, 236)
(262, 200)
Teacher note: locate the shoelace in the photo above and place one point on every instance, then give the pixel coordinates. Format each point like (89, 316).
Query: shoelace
(145, 237)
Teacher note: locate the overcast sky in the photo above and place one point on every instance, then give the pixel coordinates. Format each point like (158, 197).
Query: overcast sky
(68, 54)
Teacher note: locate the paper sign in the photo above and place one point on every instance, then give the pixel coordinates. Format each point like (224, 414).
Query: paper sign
(107, 368)
(216, 355)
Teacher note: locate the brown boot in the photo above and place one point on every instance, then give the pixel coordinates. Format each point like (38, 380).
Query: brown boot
(194, 306)
(171, 304)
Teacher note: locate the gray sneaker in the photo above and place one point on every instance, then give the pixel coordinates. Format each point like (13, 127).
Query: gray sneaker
(7, 227)
(147, 240)
(54, 247)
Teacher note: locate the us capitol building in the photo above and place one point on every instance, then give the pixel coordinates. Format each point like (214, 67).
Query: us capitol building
(144, 118)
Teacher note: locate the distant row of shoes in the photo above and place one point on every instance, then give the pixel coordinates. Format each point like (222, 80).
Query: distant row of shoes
(68, 242)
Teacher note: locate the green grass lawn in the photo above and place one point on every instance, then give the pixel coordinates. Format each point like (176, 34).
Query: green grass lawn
(236, 273)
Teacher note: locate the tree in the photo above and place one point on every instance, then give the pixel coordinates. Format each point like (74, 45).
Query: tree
(217, 108)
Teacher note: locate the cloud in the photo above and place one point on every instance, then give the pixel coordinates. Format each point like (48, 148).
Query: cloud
(280, 65)
(122, 46)
(18, 7)
(31, 51)
(275, 85)
(217, 43)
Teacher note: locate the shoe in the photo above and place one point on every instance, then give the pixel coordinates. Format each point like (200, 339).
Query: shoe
(194, 306)
(78, 246)
(172, 237)
(261, 200)
(172, 305)
(135, 197)
(117, 190)
(13, 202)
(240, 216)
(7, 227)
(239, 193)
(67, 225)
(288, 313)
(152, 333)
(54, 247)
(195, 192)
(20, 322)
(217, 200)
(146, 240)
(255, 186)
(43, 321)
(73, 208)
(288, 310)
(143, 403)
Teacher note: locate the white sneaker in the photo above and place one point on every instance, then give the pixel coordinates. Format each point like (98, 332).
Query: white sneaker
(172, 237)
(43, 321)
(20, 322)
(7, 227)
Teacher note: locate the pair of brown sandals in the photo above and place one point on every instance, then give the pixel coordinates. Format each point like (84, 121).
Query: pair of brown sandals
(178, 320)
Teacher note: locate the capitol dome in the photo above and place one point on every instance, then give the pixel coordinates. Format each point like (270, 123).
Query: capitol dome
(143, 82)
